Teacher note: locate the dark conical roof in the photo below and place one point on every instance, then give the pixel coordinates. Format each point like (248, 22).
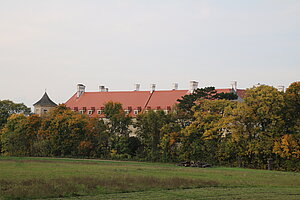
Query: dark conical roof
(45, 101)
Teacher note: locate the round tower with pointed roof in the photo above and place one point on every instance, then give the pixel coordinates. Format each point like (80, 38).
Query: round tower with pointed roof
(44, 105)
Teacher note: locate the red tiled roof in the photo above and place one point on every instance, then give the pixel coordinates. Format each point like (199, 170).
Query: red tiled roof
(88, 100)
(131, 100)
(165, 99)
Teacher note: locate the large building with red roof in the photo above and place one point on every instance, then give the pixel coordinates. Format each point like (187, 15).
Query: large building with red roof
(133, 102)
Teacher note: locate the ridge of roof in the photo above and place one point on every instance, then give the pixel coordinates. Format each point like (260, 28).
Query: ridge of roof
(143, 91)
(45, 101)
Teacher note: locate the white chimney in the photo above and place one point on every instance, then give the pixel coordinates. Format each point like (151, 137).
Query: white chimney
(193, 86)
(80, 90)
(280, 88)
(152, 88)
(137, 87)
(233, 85)
(102, 88)
(175, 86)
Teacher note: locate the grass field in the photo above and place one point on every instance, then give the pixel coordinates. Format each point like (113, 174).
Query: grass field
(42, 178)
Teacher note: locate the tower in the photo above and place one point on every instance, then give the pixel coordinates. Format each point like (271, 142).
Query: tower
(44, 105)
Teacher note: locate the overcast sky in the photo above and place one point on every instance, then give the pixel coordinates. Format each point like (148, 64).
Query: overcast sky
(55, 44)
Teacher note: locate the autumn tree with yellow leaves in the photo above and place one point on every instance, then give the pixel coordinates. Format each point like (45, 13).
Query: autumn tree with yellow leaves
(261, 130)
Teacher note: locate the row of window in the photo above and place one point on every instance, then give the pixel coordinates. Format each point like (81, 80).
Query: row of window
(100, 112)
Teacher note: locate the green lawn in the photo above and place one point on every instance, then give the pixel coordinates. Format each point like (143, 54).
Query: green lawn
(95, 179)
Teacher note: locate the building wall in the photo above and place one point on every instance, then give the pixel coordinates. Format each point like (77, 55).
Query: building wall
(40, 110)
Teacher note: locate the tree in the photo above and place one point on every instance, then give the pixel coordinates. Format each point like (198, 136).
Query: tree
(8, 108)
(287, 147)
(118, 120)
(19, 135)
(292, 110)
(149, 126)
(96, 141)
(188, 101)
(64, 131)
(185, 111)
(170, 142)
(257, 123)
(118, 127)
(201, 138)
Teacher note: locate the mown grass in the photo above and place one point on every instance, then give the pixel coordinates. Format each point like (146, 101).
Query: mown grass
(96, 179)
(213, 193)
(78, 186)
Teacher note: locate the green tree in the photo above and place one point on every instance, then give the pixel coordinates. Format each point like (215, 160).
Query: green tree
(170, 142)
(8, 108)
(118, 127)
(149, 126)
(118, 120)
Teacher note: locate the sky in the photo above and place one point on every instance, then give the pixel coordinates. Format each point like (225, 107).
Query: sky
(55, 44)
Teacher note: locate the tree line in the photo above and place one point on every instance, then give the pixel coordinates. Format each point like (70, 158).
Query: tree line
(204, 126)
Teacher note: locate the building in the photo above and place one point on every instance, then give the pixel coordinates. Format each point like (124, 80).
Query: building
(44, 105)
(136, 101)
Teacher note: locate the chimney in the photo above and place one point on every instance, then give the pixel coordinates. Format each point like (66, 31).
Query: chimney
(137, 87)
(193, 86)
(101, 88)
(152, 88)
(233, 85)
(280, 88)
(80, 90)
(175, 86)
(106, 89)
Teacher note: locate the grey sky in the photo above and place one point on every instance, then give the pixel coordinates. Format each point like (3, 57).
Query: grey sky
(56, 44)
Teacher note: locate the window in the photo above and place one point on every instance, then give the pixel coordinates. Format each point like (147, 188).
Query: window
(166, 111)
(45, 111)
(81, 111)
(90, 112)
(99, 112)
(127, 112)
(136, 112)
